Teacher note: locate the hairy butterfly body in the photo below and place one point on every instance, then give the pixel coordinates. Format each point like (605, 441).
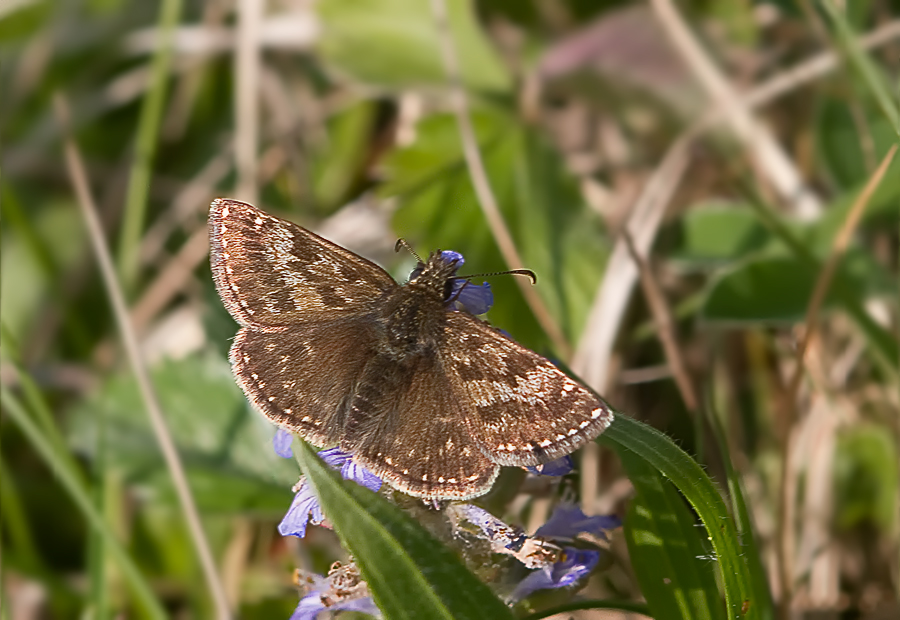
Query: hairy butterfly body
(429, 398)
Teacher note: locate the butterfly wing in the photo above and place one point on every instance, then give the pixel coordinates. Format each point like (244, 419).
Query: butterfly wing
(406, 424)
(303, 379)
(523, 410)
(272, 273)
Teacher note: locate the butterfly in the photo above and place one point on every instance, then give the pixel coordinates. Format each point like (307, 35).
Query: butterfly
(427, 396)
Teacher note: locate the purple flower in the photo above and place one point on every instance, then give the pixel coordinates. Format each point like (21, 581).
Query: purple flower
(306, 508)
(473, 298)
(558, 467)
(341, 590)
(311, 604)
(350, 470)
(573, 565)
(502, 537)
(568, 520)
(555, 566)
(463, 295)
(281, 442)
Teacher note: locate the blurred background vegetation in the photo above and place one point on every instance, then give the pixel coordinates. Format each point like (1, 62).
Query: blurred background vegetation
(727, 138)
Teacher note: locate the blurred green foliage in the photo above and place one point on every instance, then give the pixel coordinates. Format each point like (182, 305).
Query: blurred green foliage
(354, 119)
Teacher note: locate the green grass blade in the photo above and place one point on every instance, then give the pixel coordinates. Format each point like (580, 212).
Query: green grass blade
(411, 574)
(760, 582)
(666, 550)
(867, 69)
(662, 454)
(145, 147)
(15, 523)
(71, 482)
(38, 405)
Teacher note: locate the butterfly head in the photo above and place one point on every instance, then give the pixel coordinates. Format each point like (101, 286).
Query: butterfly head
(440, 266)
(438, 273)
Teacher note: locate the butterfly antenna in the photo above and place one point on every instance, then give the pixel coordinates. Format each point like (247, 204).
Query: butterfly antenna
(401, 243)
(512, 272)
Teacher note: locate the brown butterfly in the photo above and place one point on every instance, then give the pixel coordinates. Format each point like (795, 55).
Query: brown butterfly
(428, 397)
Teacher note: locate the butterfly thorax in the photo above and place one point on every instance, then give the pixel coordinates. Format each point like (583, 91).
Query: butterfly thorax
(416, 312)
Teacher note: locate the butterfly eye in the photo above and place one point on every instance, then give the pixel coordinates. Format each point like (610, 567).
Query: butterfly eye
(448, 289)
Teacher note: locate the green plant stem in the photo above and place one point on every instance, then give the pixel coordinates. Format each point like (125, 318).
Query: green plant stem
(145, 146)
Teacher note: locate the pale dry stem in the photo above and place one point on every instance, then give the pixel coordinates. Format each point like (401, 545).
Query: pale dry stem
(481, 183)
(787, 487)
(592, 357)
(129, 340)
(247, 69)
(665, 326)
(768, 155)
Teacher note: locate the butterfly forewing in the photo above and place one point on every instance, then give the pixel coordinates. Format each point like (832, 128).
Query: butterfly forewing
(406, 425)
(272, 273)
(522, 409)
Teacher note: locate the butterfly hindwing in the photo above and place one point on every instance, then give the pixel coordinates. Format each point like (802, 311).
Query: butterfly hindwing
(406, 425)
(272, 273)
(522, 410)
(282, 373)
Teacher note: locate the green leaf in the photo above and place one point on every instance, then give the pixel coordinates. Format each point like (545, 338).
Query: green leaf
(411, 574)
(839, 141)
(337, 167)
(225, 446)
(777, 289)
(35, 243)
(866, 477)
(714, 234)
(882, 207)
(662, 454)
(666, 550)
(807, 244)
(393, 44)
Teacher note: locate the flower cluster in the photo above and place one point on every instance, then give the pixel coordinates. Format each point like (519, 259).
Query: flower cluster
(553, 566)
(342, 589)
